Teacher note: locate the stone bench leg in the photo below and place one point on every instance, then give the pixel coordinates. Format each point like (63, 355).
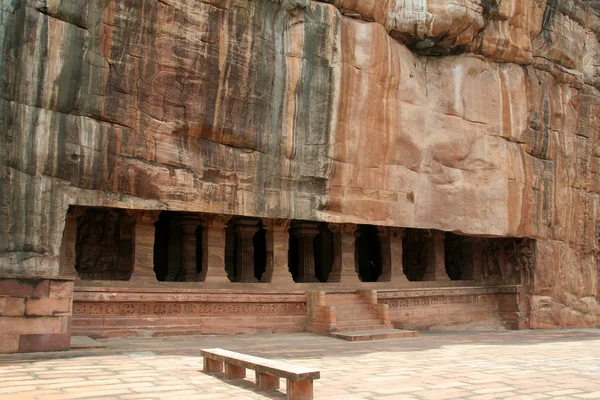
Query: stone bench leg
(212, 366)
(299, 390)
(234, 372)
(266, 382)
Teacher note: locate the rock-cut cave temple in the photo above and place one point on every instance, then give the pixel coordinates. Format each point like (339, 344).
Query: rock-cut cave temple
(240, 166)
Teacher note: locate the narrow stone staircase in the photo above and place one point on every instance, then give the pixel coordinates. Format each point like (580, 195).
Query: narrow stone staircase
(353, 316)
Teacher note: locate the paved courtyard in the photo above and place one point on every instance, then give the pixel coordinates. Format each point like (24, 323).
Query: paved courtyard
(507, 365)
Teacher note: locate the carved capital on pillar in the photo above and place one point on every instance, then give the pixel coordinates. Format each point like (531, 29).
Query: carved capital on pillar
(341, 228)
(349, 228)
(382, 230)
(334, 228)
(276, 224)
(397, 232)
(305, 229)
(191, 217)
(144, 216)
(245, 227)
(216, 221)
(189, 222)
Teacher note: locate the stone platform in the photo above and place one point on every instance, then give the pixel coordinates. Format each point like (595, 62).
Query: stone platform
(144, 310)
(117, 312)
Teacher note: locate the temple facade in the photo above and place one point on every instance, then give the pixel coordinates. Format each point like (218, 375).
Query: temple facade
(133, 266)
(102, 244)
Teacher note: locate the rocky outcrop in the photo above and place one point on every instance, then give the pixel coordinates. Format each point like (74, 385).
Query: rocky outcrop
(473, 116)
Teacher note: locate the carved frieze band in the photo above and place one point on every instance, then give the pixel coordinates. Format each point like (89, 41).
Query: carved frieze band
(186, 309)
(434, 301)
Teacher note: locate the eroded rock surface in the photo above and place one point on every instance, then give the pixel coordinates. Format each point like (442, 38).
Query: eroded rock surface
(474, 116)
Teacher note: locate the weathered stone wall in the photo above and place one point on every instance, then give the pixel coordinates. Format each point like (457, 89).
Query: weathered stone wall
(114, 311)
(35, 314)
(475, 116)
(484, 308)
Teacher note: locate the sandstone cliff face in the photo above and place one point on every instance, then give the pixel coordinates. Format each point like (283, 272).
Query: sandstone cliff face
(475, 116)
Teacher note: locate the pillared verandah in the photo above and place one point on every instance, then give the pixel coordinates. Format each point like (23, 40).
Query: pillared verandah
(222, 274)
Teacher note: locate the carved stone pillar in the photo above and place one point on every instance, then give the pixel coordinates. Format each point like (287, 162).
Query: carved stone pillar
(477, 260)
(278, 243)
(127, 247)
(335, 275)
(386, 254)
(244, 230)
(349, 268)
(189, 224)
(305, 232)
(344, 263)
(213, 250)
(436, 270)
(68, 251)
(392, 246)
(143, 242)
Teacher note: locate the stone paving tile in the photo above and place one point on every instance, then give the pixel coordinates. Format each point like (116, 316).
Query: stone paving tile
(507, 365)
(564, 392)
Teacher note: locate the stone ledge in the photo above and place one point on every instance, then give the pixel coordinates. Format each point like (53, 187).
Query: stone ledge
(447, 291)
(133, 295)
(234, 287)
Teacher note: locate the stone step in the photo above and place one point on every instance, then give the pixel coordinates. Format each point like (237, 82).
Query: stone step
(356, 328)
(355, 315)
(357, 322)
(351, 313)
(377, 334)
(353, 309)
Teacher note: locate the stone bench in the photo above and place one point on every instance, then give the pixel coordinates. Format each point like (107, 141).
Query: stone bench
(299, 379)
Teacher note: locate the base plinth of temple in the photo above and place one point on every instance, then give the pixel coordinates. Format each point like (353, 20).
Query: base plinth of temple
(35, 314)
(166, 309)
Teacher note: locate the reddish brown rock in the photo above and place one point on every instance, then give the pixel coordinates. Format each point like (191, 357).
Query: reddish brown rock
(9, 344)
(39, 307)
(12, 306)
(31, 317)
(477, 117)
